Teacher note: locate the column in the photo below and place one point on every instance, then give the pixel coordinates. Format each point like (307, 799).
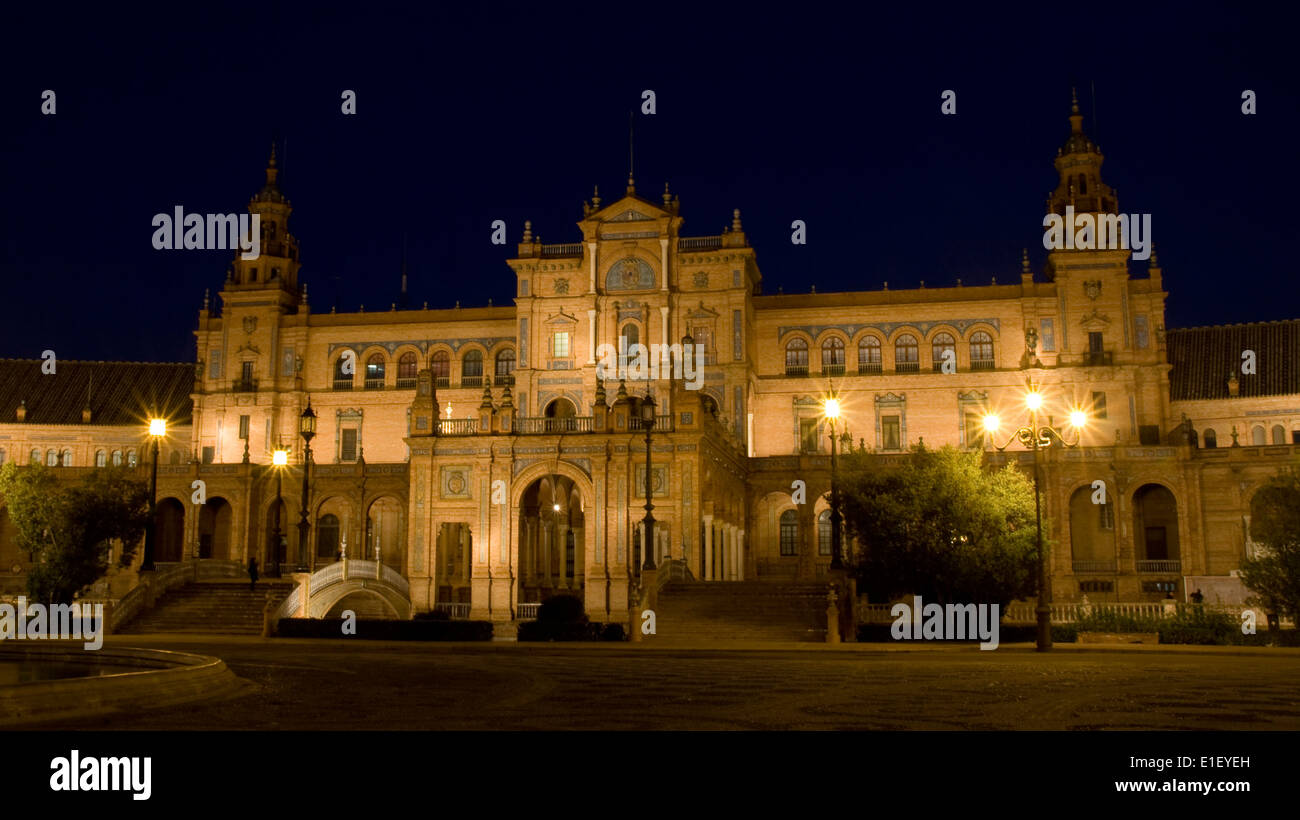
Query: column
(663, 265)
(740, 556)
(465, 551)
(562, 548)
(591, 255)
(591, 336)
(732, 553)
(706, 571)
(663, 345)
(547, 537)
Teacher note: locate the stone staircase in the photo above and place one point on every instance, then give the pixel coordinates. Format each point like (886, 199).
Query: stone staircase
(213, 607)
(701, 614)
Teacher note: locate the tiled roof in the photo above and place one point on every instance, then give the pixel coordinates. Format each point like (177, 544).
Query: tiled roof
(1204, 357)
(120, 393)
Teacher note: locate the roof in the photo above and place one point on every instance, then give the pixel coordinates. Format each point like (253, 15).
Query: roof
(1204, 357)
(120, 393)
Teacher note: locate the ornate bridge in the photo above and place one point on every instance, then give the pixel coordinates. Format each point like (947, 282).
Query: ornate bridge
(331, 584)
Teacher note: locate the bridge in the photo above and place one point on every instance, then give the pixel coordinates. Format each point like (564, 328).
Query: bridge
(331, 584)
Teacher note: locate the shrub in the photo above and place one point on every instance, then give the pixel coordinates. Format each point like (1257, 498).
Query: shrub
(381, 630)
(433, 615)
(562, 609)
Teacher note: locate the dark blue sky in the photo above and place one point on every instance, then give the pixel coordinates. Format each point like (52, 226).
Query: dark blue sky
(478, 112)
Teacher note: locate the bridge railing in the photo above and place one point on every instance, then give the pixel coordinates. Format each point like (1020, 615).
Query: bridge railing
(338, 572)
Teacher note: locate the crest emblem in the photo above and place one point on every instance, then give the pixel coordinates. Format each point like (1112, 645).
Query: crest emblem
(250, 324)
(1092, 288)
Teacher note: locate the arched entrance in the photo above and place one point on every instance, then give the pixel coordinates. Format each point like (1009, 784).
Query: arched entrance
(169, 533)
(552, 539)
(365, 605)
(453, 546)
(560, 415)
(384, 532)
(214, 529)
(1155, 529)
(1092, 531)
(277, 517)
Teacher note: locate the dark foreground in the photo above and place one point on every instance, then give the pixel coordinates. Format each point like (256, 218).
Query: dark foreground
(301, 684)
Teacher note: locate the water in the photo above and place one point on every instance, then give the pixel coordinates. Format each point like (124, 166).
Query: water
(31, 671)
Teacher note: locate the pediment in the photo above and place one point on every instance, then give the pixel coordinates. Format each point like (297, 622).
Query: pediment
(1096, 320)
(561, 318)
(630, 208)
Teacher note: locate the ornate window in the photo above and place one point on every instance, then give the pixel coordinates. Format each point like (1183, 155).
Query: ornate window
(833, 356)
(471, 369)
(824, 533)
(869, 355)
(906, 355)
(342, 379)
(505, 367)
(789, 532)
(943, 346)
(440, 364)
(1210, 438)
(131, 458)
(66, 459)
(375, 372)
(327, 536)
(796, 358)
(52, 458)
(406, 365)
(981, 351)
(117, 458)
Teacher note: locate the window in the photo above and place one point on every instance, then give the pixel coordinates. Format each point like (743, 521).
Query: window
(287, 367)
(406, 370)
(523, 287)
(631, 334)
(560, 344)
(131, 459)
(1096, 349)
(375, 372)
(471, 369)
(1143, 333)
(1257, 436)
(66, 459)
(973, 422)
(327, 536)
(101, 459)
(703, 336)
(906, 358)
(36, 457)
(214, 363)
(243, 428)
(2, 455)
(1098, 405)
(981, 351)
(209, 455)
(440, 364)
(1096, 586)
(1279, 434)
(52, 458)
(1295, 436)
(342, 379)
(796, 358)
(348, 444)
(1210, 438)
(1106, 515)
(505, 367)
(824, 533)
(737, 335)
(1047, 335)
(833, 357)
(890, 433)
(789, 532)
(942, 348)
(809, 435)
(869, 355)
(1149, 435)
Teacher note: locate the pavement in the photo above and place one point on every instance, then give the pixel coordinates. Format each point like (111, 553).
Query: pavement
(353, 684)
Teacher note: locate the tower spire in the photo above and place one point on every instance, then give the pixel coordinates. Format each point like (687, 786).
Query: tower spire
(631, 132)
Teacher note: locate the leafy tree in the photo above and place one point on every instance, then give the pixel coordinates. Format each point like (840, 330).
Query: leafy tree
(939, 525)
(68, 529)
(1274, 576)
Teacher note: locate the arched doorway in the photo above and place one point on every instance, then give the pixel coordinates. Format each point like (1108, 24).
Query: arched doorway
(1092, 531)
(169, 533)
(384, 532)
(364, 605)
(277, 517)
(453, 546)
(327, 538)
(552, 539)
(214, 529)
(1155, 529)
(559, 416)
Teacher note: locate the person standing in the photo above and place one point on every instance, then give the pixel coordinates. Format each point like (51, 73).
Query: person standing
(252, 573)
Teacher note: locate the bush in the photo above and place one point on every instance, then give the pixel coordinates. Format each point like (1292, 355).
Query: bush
(613, 632)
(433, 615)
(562, 609)
(415, 630)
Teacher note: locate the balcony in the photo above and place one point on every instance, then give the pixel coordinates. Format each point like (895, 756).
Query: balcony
(661, 423)
(405, 384)
(244, 385)
(343, 384)
(471, 381)
(566, 251)
(1094, 566)
(457, 427)
(869, 369)
(907, 367)
(1099, 358)
(542, 426)
(505, 380)
(832, 369)
(374, 384)
(442, 381)
(796, 370)
(1163, 566)
(700, 243)
(983, 364)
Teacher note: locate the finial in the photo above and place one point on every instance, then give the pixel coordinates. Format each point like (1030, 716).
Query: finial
(959, 283)
(363, 308)
(207, 293)
(506, 400)
(489, 303)
(631, 184)
(528, 230)
(922, 283)
(668, 198)
(622, 390)
(814, 288)
(392, 306)
(1024, 260)
(1155, 260)
(487, 398)
(426, 306)
(886, 286)
(457, 304)
(1074, 101)
(595, 198)
(270, 166)
(304, 293)
(735, 220)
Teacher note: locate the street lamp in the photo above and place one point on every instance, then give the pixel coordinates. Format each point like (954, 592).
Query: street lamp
(831, 410)
(279, 458)
(306, 429)
(648, 422)
(157, 429)
(1035, 437)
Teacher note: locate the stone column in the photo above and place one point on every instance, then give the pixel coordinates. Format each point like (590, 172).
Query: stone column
(562, 548)
(591, 254)
(547, 534)
(733, 554)
(591, 337)
(706, 571)
(740, 556)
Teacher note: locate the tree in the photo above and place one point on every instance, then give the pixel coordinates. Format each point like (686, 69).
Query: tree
(1274, 575)
(939, 525)
(68, 530)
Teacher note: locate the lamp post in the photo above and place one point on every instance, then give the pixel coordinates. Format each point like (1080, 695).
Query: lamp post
(306, 429)
(1036, 437)
(279, 459)
(831, 410)
(157, 429)
(648, 422)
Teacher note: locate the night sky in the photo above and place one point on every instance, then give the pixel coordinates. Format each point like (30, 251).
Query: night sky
(478, 112)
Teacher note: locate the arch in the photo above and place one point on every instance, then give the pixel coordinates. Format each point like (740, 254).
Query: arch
(342, 379)
(328, 530)
(1155, 523)
(1092, 530)
(408, 365)
(789, 533)
(376, 368)
(907, 357)
(981, 350)
(504, 366)
(1279, 434)
(630, 273)
(796, 357)
(471, 368)
(101, 458)
(169, 523)
(1210, 438)
(631, 331)
(551, 534)
(215, 524)
(65, 460)
(385, 526)
(174, 457)
(35, 457)
(52, 458)
(117, 457)
(440, 366)
(132, 458)
(325, 601)
(869, 359)
(824, 532)
(364, 603)
(941, 344)
(833, 355)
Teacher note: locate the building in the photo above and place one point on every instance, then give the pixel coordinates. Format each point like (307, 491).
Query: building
(477, 452)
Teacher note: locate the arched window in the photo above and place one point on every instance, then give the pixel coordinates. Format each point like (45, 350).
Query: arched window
(944, 346)
(1279, 435)
(471, 369)
(117, 458)
(981, 351)
(631, 333)
(1083, 184)
(1210, 438)
(2, 455)
(51, 458)
(440, 364)
(175, 457)
(66, 459)
(869, 355)
(130, 458)
(406, 364)
(1258, 437)
(100, 458)
(833, 356)
(505, 367)
(796, 358)
(327, 536)
(343, 379)
(824, 533)
(375, 372)
(36, 457)
(789, 532)
(906, 357)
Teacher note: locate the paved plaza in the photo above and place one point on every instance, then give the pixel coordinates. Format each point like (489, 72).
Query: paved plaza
(353, 684)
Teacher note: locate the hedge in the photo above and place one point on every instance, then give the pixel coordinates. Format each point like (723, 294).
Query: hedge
(570, 631)
(386, 630)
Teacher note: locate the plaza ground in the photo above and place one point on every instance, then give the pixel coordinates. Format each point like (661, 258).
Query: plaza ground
(354, 684)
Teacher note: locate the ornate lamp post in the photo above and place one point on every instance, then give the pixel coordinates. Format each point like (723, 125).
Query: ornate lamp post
(157, 429)
(279, 459)
(306, 429)
(1036, 436)
(648, 422)
(831, 410)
